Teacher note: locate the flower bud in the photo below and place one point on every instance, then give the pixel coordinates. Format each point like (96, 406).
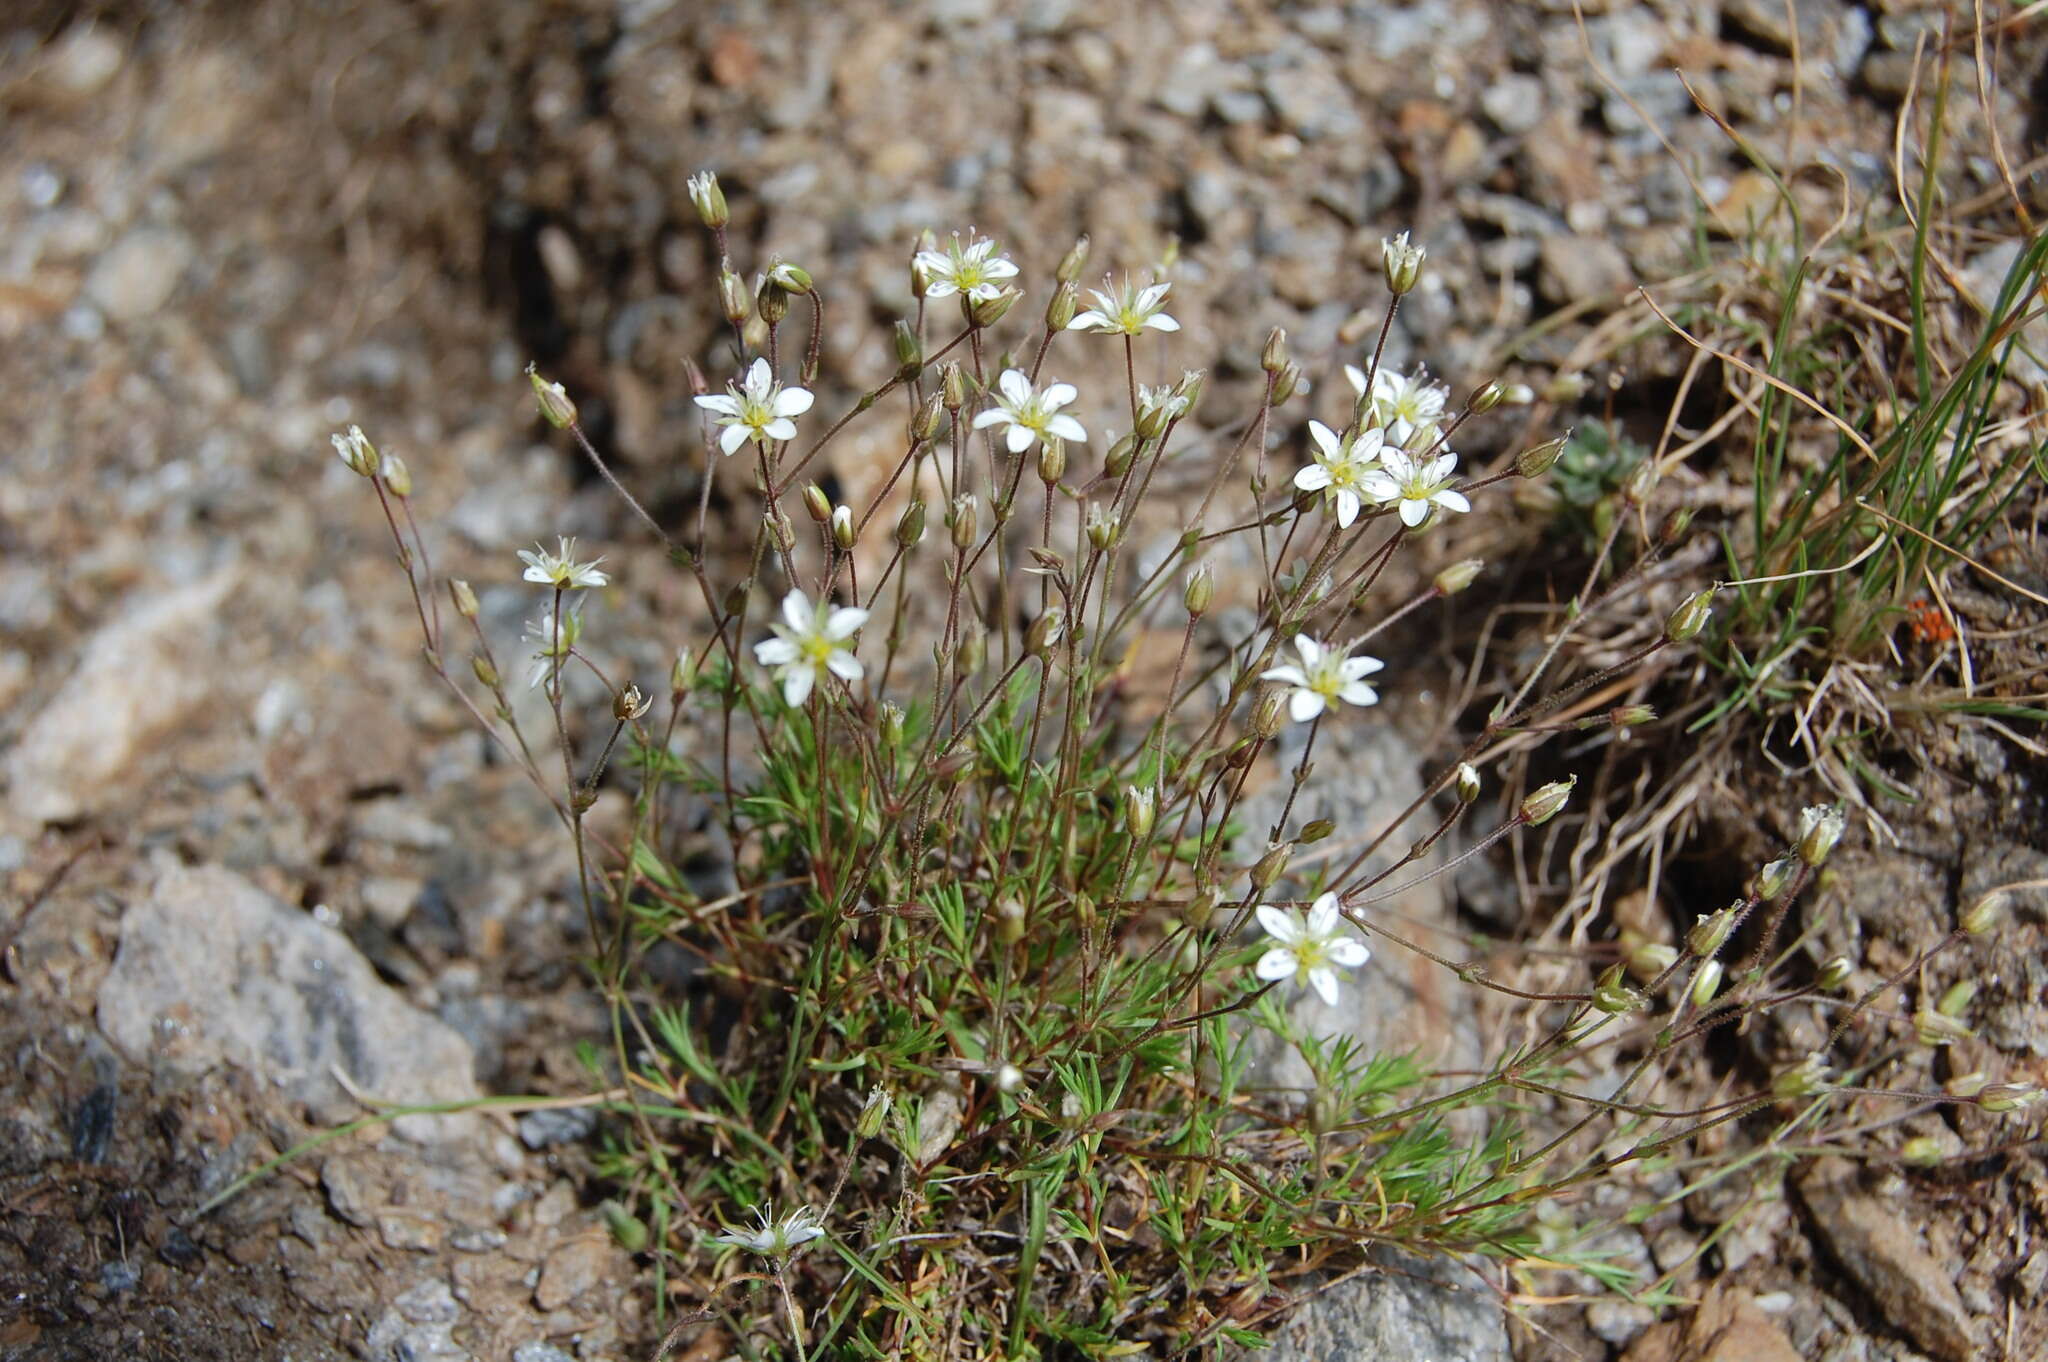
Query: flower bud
(1983, 915)
(1269, 712)
(963, 518)
(554, 402)
(708, 199)
(992, 309)
(1710, 932)
(1073, 262)
(732, 297)
(1489, 396)
(1957, 999)
(1923, 1151)
(892, 721)
(1651, 958)
(1316, 830)
(1690, 617)
(791, 279)
(771, 301)
(1271, 867)
(397, 476)
(1775, 877)
(1052, 459)
(1104, 529)
(1542, 805)
(1820, 827)
(910, 525)
(1674, 526)
(909, 351)
(1286, 383)
(1118, 461)
(816, 504)
(1140, 807)
(1189, 389)
(1934, 1028)
(1009, 1078)
(1274, 357)
(1807, 1077)
(842, 526)
(1612, 996)
(1200, 909)
(1401, 263)
(1706, 983)
(874, 1114)
(1466, 782)
(1199, 591)
(480, 666)
(925, 423)
(2008, 1097)
(682, 673)
(1459, 575)
(1640, 482)
(1061, 307)
(1967, 1086)
(920, 278)
(356, 451)
(1046, 631)
(784, 531)
(629, 704)
(464, 598)
(972, 652)
(952, 387)
(1834, 973)
(1535, 462)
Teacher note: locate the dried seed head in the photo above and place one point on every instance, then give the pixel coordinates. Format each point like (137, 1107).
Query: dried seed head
(554, 402)
(952, 386)
(1640, 482)
(784, 531)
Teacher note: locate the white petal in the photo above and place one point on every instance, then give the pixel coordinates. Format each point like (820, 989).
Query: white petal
(999, 268)
(1152, 296)
(797, 613)
(844, 621)
(1322, 915)
(1349, 952)
(1014, 386)
(1413, 513)
(796, 685)
(1162, 322)
(1304, 705)
(1088, 319)
(1445, 465)
(759, 376)
(775, 652)
(1359, 694)
(1068, 429)
(1357, 377)
(846, 666)
(1310, 650)
(1278, 963)
(1058, 395)
(1313, 478)
(1325, 438)
(1020, 438)
(1278, 922)
(732, 437)
(1347, 508)
(793, 401)
(983, 420)
(1355, 667)
(1380, 487)
(1323, 980)
(1452, 501)
(1368, 445)
(720, 402)
(781, 428)
(941, 288)
(1293, 676)
(537, 573)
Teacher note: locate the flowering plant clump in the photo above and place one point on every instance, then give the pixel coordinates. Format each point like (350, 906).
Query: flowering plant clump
(970, 894)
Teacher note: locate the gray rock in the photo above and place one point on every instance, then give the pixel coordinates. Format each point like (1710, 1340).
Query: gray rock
(1413, 1309)
(538, 1351)
(212, 970)
(138, 274)
(1577, 267)
(347, 1192)
(394, 1338)
(1514, 102)
(1883, 1253)
(430, 1302)
(1310, 100)
(539, 1129)
(135, 680)
(571, 1270)
(409, 1231)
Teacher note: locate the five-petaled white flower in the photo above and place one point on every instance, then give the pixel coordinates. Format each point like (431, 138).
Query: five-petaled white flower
(1403, 404)
(1341, 468)
(756, 408)
(1325, 676)
(1031, 415)
(1417, 482)
(1313, 946)
(976, 269)
(810, 639)
(554, 634)
(1127, 311)
(772, 1238)
(560, 568)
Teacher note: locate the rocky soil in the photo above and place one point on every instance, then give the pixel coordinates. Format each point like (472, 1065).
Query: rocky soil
(254, 867)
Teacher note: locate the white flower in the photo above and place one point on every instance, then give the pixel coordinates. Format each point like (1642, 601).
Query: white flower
(757, 408)
(772, 1238)
(1031, 416)
(1325, 676)
(1313, 946)
(1127, 311)
(554, 633)
(976, 269)
(1417, 482)
(560, 568)
(1402, 404)
(355, 450)
(1341, 468)
(810, 639)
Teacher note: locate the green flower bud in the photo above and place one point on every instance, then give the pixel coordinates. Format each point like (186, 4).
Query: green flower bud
(682, 673)
(816, 504)
(1073, 262)
(792, 279)
(554, 401)
(1052, 460)
(1534, 463)
(1834, 973)
(1651, 958)
(909, 350)
(1286, 383)
(1690, 616)
(963, 518)
(892, 720)
(910, 525)
(1983, 915)
(1401, 263)
(1710, 932)
(1489, 396)
(1804, 1079)
(480, 666)
(1118, 461)
(1189, 389)
(397, 476)
(1775, 877)
(874, 1114)
(1061, 307)
(1459, 575)
(1269, 712)
(2008, 1097)
(992, 309)
(1199, 591)
(1274, 357)
(1542, 805)
(1140, 807)
(464, 598)
(1316, 831)
(1820, 828)
(1612, 996)
(1466, 782)
(1046, 631)
(1104, 529)
(842, 526)
(1706, 983)
(732, 297)
(708, 199)
(1270, 867)
(1933, 1028)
